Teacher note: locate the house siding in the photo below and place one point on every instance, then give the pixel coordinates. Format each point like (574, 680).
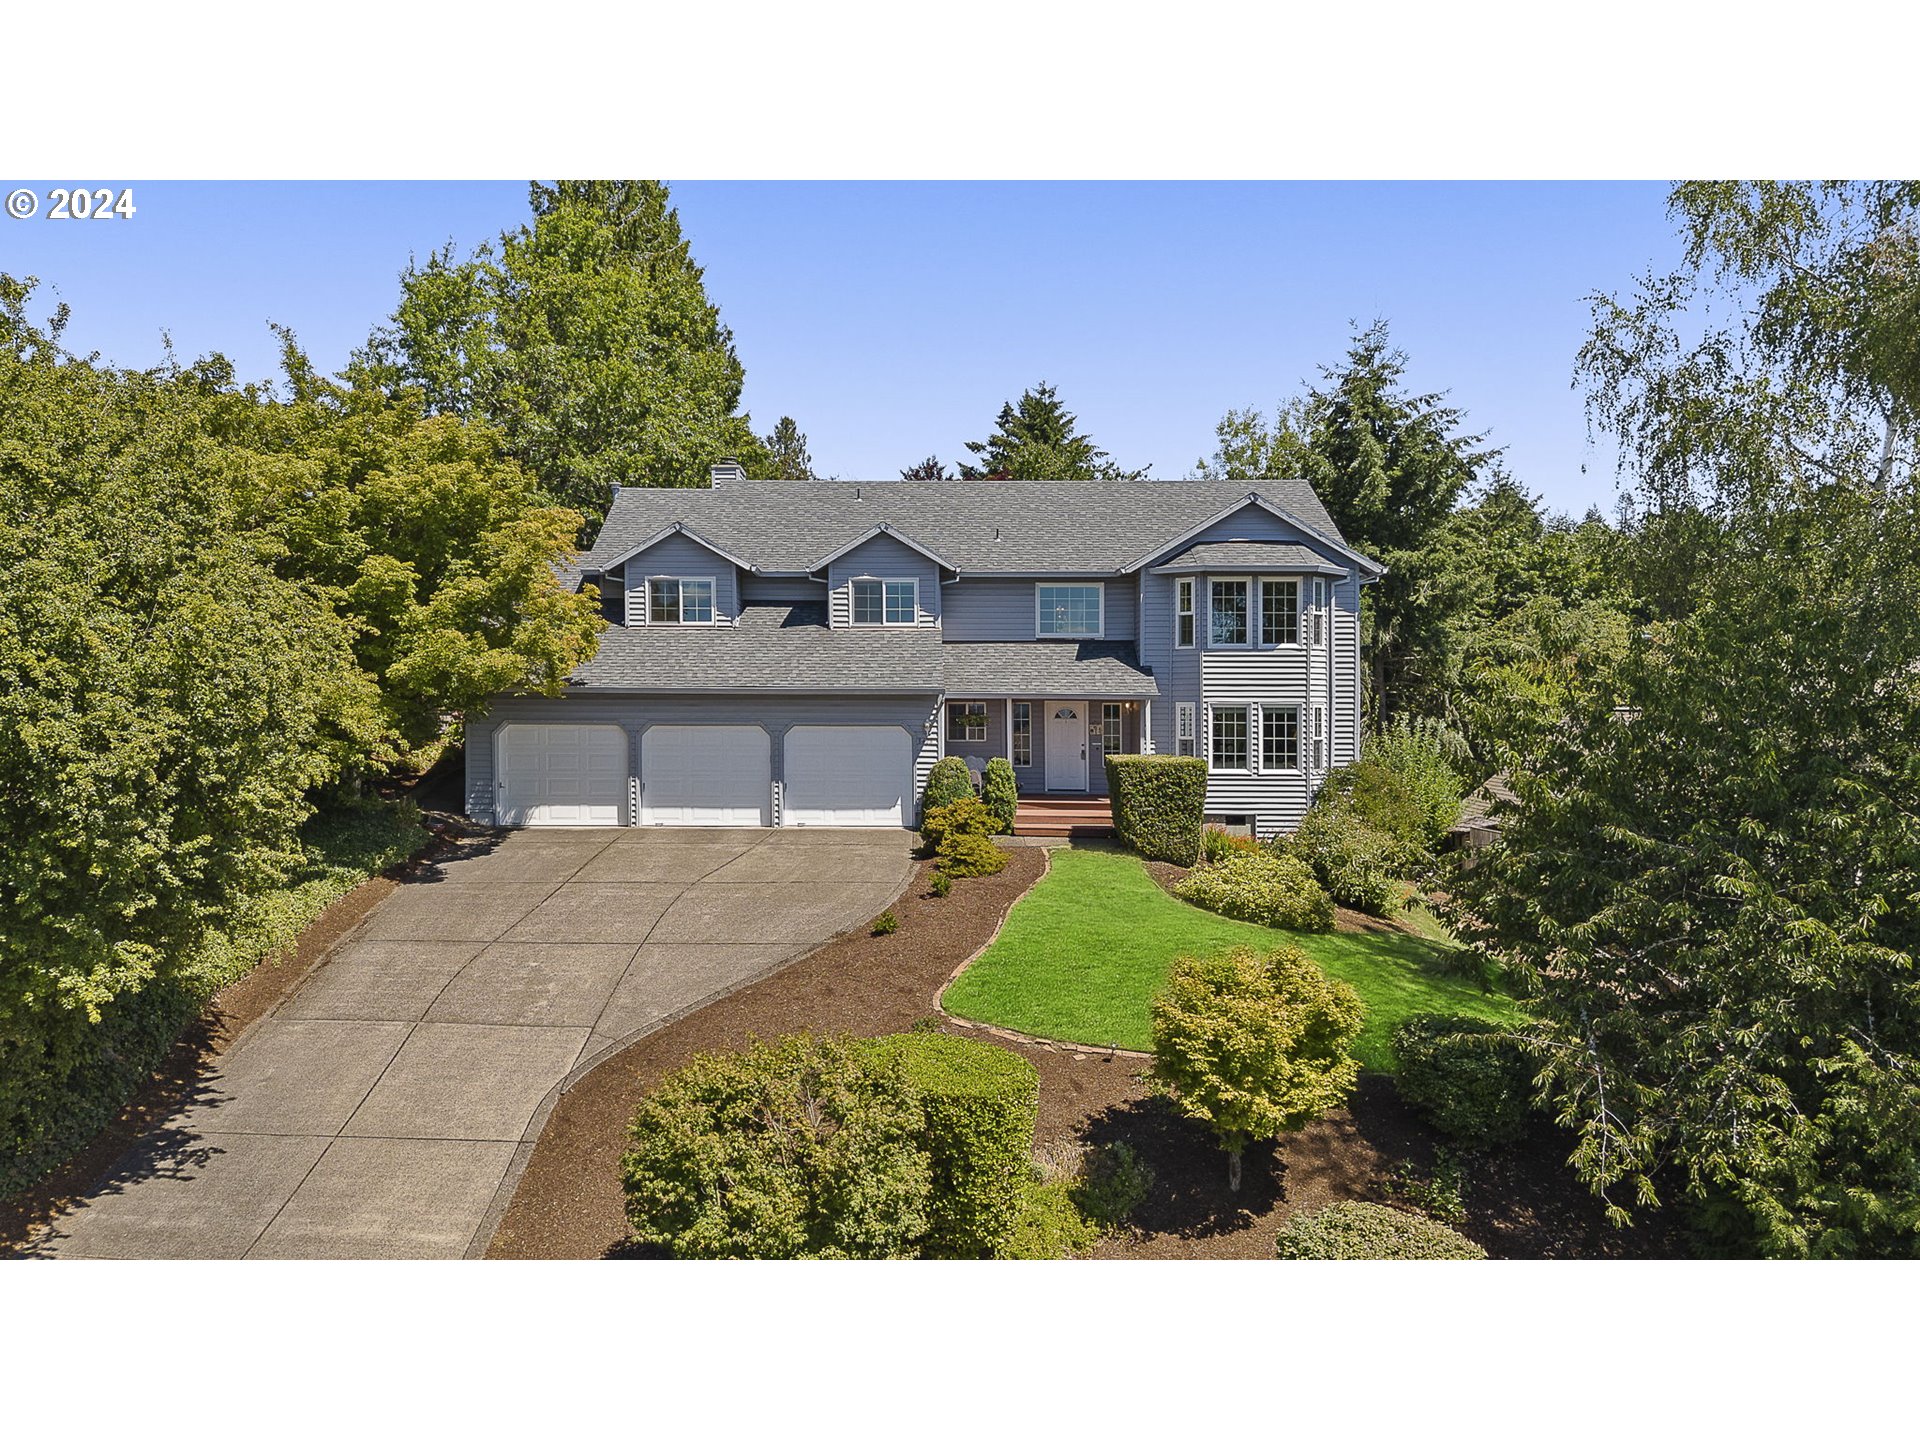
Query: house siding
(916, 714)
(678, 555)
(992, 608)
(881, 558)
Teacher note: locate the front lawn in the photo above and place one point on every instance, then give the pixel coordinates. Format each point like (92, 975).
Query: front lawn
(1083, 953)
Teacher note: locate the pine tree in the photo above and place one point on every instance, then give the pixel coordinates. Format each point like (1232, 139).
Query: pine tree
(1038, 439)
(931, 468)
(787, 457)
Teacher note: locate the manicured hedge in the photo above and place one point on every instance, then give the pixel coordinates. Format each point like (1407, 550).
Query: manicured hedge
(1473, 1079)
(1356, 1230)
(1260, 887)
(1159, 803)
(1001, 793)
(980, 1104)
(949, 780)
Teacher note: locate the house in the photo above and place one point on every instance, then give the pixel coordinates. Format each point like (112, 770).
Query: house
(799, 654)
(1482, 815)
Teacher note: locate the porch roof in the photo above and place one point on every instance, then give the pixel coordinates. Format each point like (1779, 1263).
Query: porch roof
(1007, 669)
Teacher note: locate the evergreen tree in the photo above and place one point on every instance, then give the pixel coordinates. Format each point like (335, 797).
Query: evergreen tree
(1037, 438)
(787, 457)
(931, 468)
(586, 338)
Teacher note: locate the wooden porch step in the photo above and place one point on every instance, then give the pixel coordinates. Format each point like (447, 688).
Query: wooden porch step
(1063, 816)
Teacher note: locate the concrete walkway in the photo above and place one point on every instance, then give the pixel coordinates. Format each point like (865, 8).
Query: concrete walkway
(384, 1107)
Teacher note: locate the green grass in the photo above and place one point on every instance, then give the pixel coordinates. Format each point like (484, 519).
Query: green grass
(1082, 955)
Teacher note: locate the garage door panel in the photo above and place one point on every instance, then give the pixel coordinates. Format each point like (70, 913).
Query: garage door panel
(706, 775)
(848, 775)
(562, 775)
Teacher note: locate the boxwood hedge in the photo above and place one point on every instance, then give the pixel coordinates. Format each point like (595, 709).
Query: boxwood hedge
(1159, 803)
(980, 1104)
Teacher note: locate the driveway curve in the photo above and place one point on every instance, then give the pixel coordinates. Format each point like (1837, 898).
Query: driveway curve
(385, 1107)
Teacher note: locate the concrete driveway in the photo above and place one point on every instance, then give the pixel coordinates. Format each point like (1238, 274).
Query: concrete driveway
(386, 1106)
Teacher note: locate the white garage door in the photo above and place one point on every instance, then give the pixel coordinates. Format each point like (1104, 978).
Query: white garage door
(562, 775)
(848, 775)
(706, 775)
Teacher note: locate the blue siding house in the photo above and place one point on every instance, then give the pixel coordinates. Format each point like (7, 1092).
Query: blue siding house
(795, 654)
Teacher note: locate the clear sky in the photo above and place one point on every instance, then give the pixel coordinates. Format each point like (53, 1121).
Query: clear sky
(892, 320)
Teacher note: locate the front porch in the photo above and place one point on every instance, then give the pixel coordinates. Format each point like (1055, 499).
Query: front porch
(1056, 746)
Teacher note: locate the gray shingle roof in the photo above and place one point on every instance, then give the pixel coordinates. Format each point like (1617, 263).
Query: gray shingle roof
(773, 647)
(1248, 555)
(1095, 669)
(980, 526)
(1476, 811)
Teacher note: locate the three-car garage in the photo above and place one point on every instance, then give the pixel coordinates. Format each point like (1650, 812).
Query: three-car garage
(704, 774)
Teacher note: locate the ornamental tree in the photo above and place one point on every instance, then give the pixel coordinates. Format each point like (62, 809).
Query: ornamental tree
(1254, 1046)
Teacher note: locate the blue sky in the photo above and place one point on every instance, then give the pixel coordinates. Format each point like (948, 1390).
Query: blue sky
(891, 320)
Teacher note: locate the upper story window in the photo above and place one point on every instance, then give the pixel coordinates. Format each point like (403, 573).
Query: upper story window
(1279, 612)
(966, 720)
(886, 602)
(1319, 610)
(1183, 614)
(1227, 609)
(1070, 610)
(675, 601)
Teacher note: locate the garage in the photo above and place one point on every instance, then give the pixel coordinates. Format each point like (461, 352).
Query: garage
(706, 775)
(562, 775)
(848, 775)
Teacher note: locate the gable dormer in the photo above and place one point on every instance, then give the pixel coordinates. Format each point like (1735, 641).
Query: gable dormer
(678, 578)
(883, 580)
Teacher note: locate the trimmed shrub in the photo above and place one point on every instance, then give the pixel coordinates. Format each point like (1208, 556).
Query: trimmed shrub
(1158, 804)
(980, 1103)
(1261, 887)
(942, 885)
(965, 816)
(798, 1148)
(1474, 1079)
(1000, 793)
(949, 780)
(1254, 1046)
(1114, 1180)
(1049, 1226)
(885, 923)
(1357, 1230)
(962, 855)
(1359, 866)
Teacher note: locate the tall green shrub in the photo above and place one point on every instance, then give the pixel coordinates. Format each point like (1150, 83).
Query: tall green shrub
(1159, 804)
(949, 780)
(980, 1104)
(1416, 751)
(1000, 792)
(1474, 1079)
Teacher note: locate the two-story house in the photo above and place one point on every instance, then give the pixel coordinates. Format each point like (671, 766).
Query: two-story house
(801, 653)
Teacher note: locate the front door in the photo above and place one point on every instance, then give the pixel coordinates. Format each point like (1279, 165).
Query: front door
(1066, 744)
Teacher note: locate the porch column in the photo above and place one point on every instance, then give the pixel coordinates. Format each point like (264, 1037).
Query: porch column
(1146, 727)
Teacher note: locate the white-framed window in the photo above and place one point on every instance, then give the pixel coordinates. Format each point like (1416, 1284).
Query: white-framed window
(1319, 737)
(1022, 733)
(1227, 612)
(966, 720)
(886, 602)
(1319, 610)
(675, 600)
(1280, 737)
(1076, 610)
(1183, 738)
(1227, 732)
(1280, 612)
(1110, 729)
(1183, 613)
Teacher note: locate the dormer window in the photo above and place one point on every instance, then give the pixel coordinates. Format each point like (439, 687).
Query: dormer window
(672, 600)
(886, 602)
(1077, 611)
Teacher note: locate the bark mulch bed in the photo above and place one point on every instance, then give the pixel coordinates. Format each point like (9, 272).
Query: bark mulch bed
(1522, 1203)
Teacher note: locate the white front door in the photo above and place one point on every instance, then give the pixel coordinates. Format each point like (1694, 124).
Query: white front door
(848, 775)
(561, 774)
(706, 775)
(1066, 744)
